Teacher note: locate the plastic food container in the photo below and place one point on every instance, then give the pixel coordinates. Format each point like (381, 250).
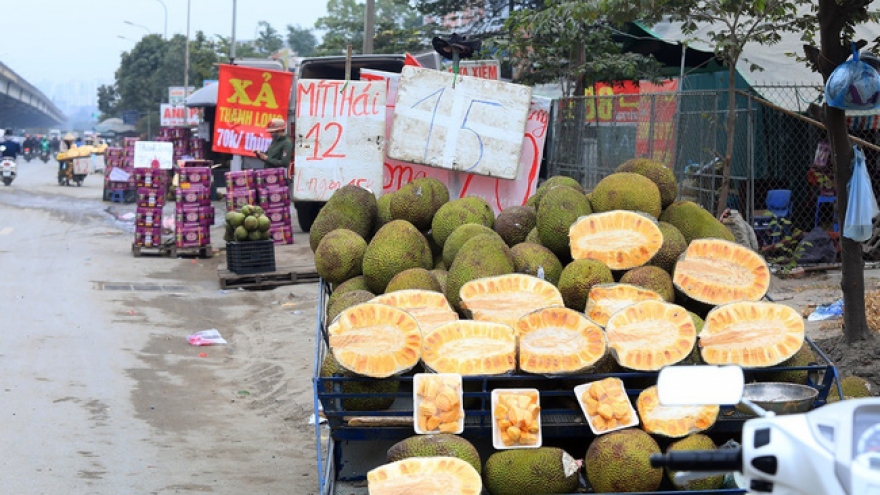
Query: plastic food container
(440, 411)
(579, 392)
(499, 398)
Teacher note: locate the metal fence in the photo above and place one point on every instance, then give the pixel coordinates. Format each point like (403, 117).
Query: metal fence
(776, 146)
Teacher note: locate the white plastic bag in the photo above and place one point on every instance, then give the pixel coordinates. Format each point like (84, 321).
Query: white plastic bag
(861, 205)
(206, 337)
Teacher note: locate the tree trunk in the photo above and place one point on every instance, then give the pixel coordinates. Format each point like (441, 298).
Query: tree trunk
(852, 282)
(730, 127)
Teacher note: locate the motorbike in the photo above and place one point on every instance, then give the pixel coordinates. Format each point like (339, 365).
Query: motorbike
(8, 168)
(45, 155)
(29, 154)
(832, 450)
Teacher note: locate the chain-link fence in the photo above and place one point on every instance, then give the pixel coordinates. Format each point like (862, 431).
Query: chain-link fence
(777, 147)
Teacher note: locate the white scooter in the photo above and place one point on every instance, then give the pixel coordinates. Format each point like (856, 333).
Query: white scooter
(8, 168)
(832, 450)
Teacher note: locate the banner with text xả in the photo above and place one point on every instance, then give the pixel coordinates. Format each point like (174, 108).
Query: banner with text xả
(247, 100)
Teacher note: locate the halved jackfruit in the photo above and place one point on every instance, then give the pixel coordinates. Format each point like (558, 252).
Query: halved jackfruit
(673, 421)
(375, 340)
(649, 335)
(606, 299)
(558, 340)
(751, 334)
(471, 348)
(429, 308)
(425, 476)
(621, 239)
(507, 298)
(714, 271)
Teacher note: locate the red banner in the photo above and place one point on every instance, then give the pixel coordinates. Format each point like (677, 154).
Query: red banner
(247, 100)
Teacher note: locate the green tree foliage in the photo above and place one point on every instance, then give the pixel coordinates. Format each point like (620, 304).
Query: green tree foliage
(268, 40)
(301, 40)
(398, 28)
(243, 49)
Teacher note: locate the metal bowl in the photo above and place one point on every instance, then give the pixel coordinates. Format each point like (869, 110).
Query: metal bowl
(781, 398)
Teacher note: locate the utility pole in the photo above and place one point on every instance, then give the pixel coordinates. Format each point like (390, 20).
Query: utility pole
(186, 58)
(369, 26)
(232, 42)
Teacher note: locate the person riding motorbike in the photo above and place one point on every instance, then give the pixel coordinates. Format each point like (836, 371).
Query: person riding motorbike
(65, 167)
(13, 149)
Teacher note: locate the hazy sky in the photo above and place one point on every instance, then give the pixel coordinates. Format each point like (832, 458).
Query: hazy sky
(78, 40)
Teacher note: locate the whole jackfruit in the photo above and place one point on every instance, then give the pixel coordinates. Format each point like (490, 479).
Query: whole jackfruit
(443, 444)
(383, 211)
(353, 283)
(659, 173)
(673, 245)
(533, 236)
(535, 259)
(413, 278)
(694, 222)
(453, 214)
(514, 223)
(626, 191)
(619, 462)
(697, 441)
(578, 277)
(350, 207)
(550, 183)
(653, 278)
(481, 256)
(559, 208)
(396, 247)
(854, 386)
(339, 256)
(440, 277)
(331, 367)
(544, 470)
(418, 201)
(347, 300)
(461, 235)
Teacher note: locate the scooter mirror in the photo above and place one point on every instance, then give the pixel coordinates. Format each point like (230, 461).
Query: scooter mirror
(700, 385)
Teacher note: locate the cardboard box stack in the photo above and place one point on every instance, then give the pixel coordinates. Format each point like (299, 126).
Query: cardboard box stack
(116, 158)
(152, 184)
(273, 196)
(179, 137)
(241, 189)
(196, 148)
(194, 213)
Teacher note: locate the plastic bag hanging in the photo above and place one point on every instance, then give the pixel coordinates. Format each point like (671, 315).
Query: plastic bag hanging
(854, 85)
(861, 205)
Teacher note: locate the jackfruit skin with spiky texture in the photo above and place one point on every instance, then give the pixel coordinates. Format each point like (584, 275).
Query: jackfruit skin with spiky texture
(453, 214)
(578, 277)
(618, 462)
(413, 278)
(347, 300)
(530, 471)
(383, 211)
(673, 245)
(332, 367)
(514, 223)
(694, 222)
(339, 255)
(442, 444)
(659, 173)
(461, 235)
(803, 357)
(550, 183)
(481, 256)
(350, 207)
(418, 201)
(653, 278)
(354, 283)
(854, 386)
(440, 277)
(560, 207)
(697, 441)
(529, 258)
(626, 191)
(533, 236)
(397, 246)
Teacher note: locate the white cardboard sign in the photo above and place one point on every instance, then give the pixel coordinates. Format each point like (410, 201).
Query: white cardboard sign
(476, 126)
(153, 154)
(340, 137)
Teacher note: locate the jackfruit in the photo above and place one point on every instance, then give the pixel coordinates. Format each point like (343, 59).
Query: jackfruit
(396, 247)
(353, 283)
(470, 348)
(331, 367)
(442, 444)
(659, 173)
(560, 207)
(626, 191)
(619, 238)
(536, 260)
(440, 277)
(854, 386)
(550, 183)
(606, 299)
(418, 201)
(697, 441)
(544, 470)
(453, 214)
(462, 234)
(481, 256)
(533, 236)
(619, 462)
(803, 357)
(347, 300)
(413, 278)
(425, 476)
(652, 278)
(694, 222)
(514, 223)
(429, 308)
(507, 298)
(339, 255)
(383, 211)
(673, 245)
(350, 207)
(578, 277)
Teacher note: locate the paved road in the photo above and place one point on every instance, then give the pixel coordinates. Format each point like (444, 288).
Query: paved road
(99, 392)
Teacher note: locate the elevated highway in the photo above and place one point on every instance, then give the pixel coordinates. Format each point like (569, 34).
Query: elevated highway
(22, 105)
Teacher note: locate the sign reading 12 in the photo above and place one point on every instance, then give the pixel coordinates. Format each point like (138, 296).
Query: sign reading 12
(328, 153)
(437, 96)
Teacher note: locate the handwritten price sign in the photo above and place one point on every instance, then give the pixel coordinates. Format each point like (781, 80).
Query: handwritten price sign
(475, 127)
(340, 137)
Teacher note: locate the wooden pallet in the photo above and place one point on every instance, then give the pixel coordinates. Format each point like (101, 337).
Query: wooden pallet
(170, 250)
(284, 275)
(162, 250)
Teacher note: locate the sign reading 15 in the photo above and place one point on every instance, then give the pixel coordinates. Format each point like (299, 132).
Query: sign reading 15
(435, 97)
